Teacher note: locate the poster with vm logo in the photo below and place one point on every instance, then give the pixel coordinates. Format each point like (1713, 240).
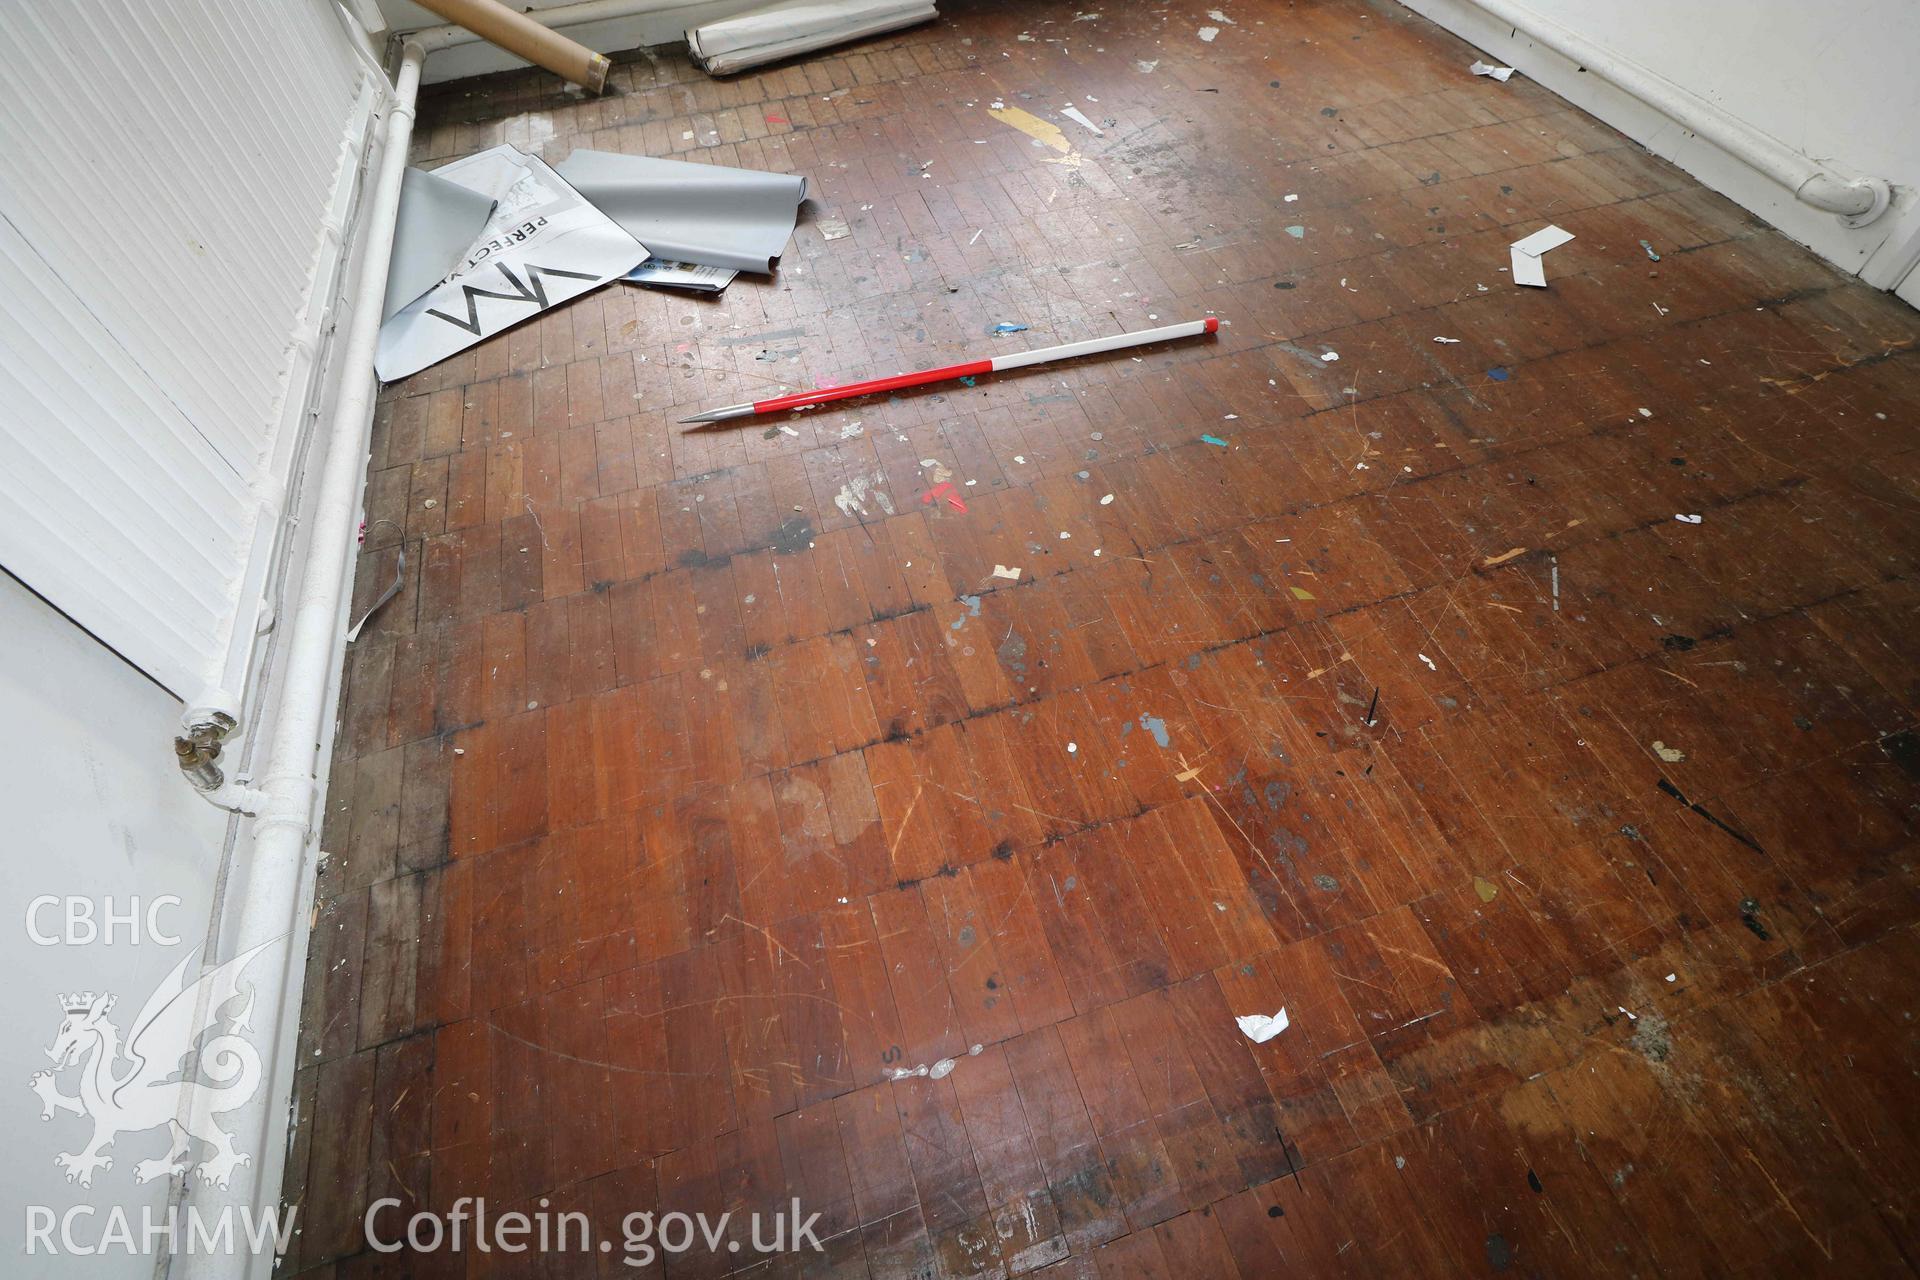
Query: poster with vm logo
(542, 246)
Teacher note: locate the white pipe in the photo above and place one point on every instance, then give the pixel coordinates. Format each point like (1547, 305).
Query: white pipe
(266, 887)
(1859, 201)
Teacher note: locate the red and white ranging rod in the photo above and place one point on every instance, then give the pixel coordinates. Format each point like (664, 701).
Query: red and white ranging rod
(999, 364)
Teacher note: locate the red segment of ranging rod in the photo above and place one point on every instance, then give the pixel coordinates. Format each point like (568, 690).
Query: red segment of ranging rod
(873, 386)
(1013, 360)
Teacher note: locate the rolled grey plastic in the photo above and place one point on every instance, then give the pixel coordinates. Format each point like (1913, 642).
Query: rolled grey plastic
(795, 27)
(705, 214)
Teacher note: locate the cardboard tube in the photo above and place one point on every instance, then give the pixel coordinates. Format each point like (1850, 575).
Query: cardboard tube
(519, 34)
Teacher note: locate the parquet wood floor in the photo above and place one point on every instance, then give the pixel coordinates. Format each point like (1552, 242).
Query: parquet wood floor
(697, 784)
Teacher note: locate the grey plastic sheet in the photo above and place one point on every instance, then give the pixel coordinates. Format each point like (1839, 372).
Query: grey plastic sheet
(795, 27)
(706, 214)
(437, 223)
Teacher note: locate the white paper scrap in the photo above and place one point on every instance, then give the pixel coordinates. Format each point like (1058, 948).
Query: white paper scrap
(1488, 69)
(1527, 269)
(1259, 1028)
(1546, 238)
(681, 275)
(1001, 571)
(1079, 117)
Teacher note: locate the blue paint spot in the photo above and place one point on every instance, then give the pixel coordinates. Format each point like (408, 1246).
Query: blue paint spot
(1005, 327)
(972, 603)
(1157, 727)
(1499, 374)
(1297, 232)
(969, 380)
(956, 624)
(1214, 440)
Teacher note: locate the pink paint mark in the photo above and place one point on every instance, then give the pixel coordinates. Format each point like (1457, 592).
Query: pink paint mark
(777, 120)
(943, 490)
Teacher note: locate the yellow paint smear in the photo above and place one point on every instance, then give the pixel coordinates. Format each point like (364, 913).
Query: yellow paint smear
(1033, 126)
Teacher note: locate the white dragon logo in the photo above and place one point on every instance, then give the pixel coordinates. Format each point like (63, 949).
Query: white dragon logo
(151, 1091)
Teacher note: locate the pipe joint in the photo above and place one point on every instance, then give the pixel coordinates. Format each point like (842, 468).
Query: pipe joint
(287, 802)
(197, 753)
(1856, 204)
(236, 797)
(196, 750)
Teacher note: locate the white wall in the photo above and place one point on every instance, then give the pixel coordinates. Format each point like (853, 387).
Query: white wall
(176, 212)
(1837, 81)
(94, 810)
(171, 205)
(656, 22)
